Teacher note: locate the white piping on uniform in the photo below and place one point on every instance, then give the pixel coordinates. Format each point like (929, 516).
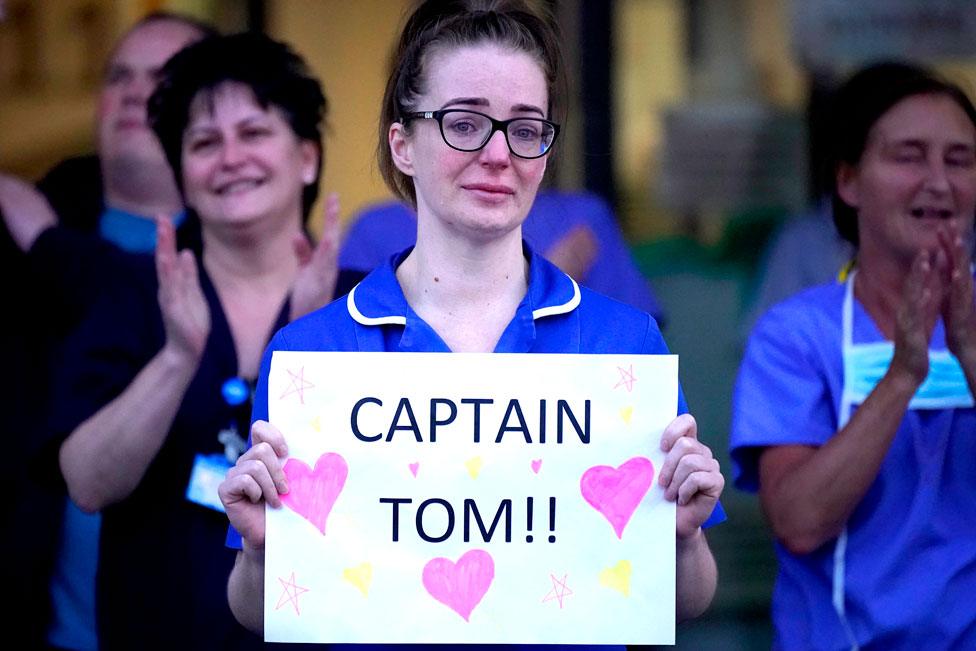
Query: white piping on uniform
(552, 310)
(359, 317)
(568, 306)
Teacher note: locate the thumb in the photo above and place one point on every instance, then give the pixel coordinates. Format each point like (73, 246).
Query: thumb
(303, 248)
(330, 222)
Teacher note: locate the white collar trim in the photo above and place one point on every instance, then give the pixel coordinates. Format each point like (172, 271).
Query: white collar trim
(359, 317)
(568, 306)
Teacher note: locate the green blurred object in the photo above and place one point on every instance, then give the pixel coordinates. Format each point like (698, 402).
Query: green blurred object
(703, 291)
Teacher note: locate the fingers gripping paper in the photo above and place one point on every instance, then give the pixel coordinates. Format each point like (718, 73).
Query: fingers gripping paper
(471, 498)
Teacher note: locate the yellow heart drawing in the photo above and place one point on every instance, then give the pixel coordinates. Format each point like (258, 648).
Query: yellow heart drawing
(360, 576)
(617, 578)
(474, 466)
(626, 414)
(317, 424)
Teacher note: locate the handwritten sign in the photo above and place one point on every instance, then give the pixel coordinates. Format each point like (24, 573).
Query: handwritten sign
(458, 498)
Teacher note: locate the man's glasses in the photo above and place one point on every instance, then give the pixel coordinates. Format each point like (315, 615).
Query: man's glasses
(470, 131)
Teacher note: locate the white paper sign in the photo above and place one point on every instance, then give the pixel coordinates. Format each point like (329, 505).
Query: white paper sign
(452, 498)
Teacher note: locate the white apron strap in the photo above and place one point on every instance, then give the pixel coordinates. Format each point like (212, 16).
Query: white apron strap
(846, 403)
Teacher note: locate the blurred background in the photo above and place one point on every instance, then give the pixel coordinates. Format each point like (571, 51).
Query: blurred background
(692, 118)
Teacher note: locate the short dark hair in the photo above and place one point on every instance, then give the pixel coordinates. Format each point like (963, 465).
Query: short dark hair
(452, 23)
(859, 103)
(277, 76)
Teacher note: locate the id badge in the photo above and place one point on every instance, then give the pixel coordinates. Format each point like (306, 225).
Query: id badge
(208, 471)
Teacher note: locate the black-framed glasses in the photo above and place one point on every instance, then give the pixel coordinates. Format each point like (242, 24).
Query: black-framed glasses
(470, 131)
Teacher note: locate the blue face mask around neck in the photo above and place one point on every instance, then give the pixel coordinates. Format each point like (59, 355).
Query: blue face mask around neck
(945, 386)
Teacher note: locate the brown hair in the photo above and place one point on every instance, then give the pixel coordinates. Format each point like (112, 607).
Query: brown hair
(453, 23)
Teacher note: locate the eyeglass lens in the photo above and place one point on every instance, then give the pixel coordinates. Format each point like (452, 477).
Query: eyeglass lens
(469, 131)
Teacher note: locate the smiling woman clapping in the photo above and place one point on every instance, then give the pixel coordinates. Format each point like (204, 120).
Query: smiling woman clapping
(160, 379)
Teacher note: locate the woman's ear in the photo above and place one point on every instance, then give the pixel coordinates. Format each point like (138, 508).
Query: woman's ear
(848, 185)
(401, 150)
(311, 161)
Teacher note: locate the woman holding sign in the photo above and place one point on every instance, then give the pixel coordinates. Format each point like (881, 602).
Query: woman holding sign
(466, 130)
(854, 413)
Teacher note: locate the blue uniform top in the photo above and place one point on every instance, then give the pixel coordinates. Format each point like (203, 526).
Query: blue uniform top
(555, 316)
(909, 570)
(381, 230)
(131, 232)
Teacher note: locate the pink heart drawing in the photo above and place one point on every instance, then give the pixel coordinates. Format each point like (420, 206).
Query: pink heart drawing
(460, 586)
(616, 492)
(312, 493)
(536, 464)
(414, 467)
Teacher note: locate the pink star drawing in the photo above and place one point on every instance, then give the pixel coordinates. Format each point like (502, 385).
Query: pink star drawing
(559, 590)
(290, 593)
(298, 385)
(627, 378)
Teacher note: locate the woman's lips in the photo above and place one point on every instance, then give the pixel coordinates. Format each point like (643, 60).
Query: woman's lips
(489, 192)
(238, 186)
(923, 212)
(489, 188)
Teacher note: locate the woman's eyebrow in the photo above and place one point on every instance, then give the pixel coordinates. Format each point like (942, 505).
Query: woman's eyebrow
(897, 143)
(482, 102)
(466, 101)
(962, 145)
(528, 108)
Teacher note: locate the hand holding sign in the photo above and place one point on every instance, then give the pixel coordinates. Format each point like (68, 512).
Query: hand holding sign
(258, 477)
(690, 475)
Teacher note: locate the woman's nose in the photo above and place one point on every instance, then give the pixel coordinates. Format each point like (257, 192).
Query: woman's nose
(937, 177)
(231, 153)
(496, 152)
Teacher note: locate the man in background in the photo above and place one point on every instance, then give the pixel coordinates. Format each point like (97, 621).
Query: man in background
(99, 205)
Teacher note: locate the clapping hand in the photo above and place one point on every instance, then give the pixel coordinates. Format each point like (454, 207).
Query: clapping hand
(916, 316)
(958, 306)
(26, 211)
(318, 272)
(186, 315)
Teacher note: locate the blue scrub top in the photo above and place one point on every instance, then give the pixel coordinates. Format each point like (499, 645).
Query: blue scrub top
(131, 232)
(910, 562)
(556, 316)
(381, 230)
